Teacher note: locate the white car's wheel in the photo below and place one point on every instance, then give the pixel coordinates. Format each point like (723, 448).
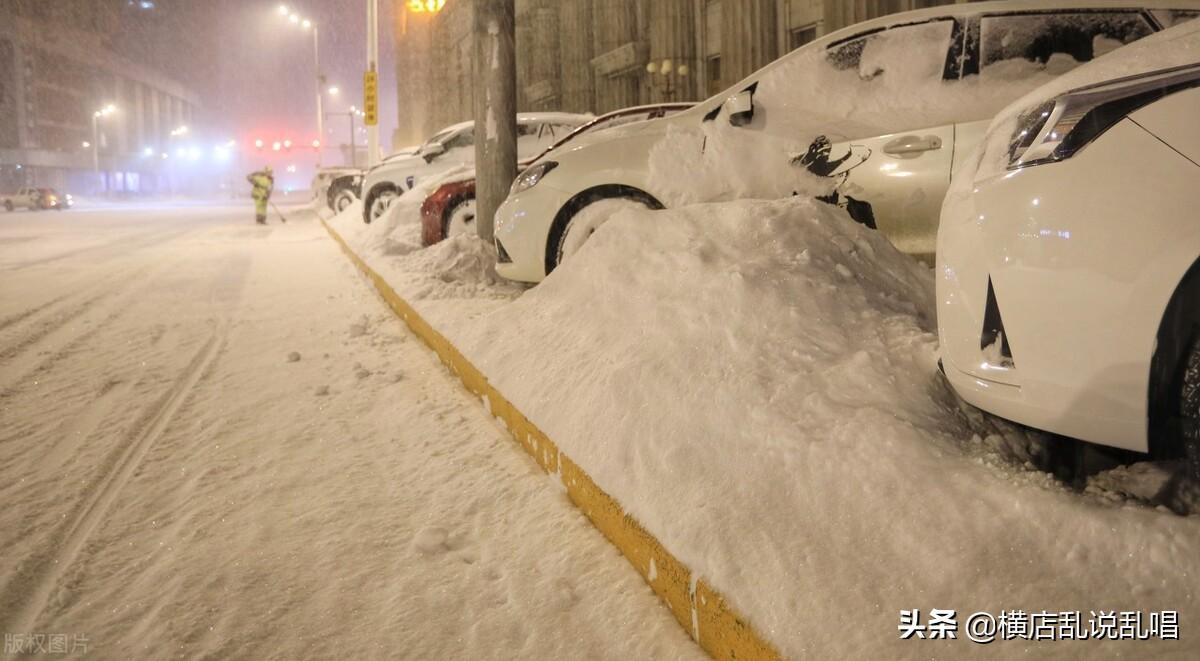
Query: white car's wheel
(342, 200)
(460, 219)
(584, 223)
(378, 202)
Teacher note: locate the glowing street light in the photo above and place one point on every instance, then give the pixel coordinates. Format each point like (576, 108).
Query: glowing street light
(258, 144)
(425, 6)
(107, 110)
(276, 146)
(86, 144)
(308, 24)
(333, 90)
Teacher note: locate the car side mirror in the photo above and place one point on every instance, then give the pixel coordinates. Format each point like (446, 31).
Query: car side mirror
(740, 107)
(432, 151)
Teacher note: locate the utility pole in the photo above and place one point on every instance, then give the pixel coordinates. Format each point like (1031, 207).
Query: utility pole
(370, 103)
(495, 109)
(320, 84)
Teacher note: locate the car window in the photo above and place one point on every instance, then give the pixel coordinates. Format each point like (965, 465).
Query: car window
(1016, 45)
(532, 138)
(1172, 17)
(439, 137)
(460, 141)
(913, 52)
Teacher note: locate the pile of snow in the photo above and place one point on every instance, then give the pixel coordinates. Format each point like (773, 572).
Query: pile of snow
(756, 383)
(462, 268)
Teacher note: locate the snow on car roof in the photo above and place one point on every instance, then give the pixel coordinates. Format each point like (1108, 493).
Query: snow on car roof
(956, 10)
(562, 117)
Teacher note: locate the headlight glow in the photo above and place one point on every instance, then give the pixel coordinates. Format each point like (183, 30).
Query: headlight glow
(531, 176)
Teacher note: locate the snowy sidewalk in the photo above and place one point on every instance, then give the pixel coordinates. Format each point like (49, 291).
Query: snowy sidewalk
(219, 443)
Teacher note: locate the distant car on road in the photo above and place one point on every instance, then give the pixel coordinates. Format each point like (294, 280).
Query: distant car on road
(25, 198)
(450, 209)
(872, 118)
(1068, 274)
(51, 199)
(452, 147)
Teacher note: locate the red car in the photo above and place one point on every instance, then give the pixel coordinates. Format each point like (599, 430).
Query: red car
(450, 209)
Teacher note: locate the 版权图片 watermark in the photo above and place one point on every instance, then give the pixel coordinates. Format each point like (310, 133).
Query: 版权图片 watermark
(45, 643)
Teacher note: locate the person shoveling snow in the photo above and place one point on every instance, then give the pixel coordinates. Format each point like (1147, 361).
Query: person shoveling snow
(263, 182)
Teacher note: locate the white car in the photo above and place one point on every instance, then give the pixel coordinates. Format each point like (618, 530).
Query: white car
(25, 198)
(454, 147)
(1068, 269)
(881, 112)
(322, 179)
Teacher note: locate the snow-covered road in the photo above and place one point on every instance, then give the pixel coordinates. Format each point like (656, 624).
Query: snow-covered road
(216, 441)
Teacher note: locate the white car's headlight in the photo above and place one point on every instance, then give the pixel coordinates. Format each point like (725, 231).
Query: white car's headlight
(531, 176)
(1057, 129)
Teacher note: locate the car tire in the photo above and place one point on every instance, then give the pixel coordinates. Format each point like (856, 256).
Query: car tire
(8, 205)
(1175, 395)
(459, 217)
(378, 201)
(343, 199)
(571, 231)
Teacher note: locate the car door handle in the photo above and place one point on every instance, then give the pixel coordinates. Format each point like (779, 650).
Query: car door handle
(907, 145)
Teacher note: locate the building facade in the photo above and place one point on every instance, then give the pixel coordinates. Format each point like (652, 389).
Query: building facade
(601, 55)
(59, 65)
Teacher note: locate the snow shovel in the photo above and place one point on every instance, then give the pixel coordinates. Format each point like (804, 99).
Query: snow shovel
(281, 216)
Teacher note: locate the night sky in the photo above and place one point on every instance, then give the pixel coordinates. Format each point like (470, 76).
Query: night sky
(254, 70)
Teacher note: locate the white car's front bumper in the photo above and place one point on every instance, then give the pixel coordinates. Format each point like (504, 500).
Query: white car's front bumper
(522, 225)
(1083, 257)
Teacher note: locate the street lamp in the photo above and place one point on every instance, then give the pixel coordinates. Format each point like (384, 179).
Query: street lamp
(352, 113)
(103, 112)
(306, 24)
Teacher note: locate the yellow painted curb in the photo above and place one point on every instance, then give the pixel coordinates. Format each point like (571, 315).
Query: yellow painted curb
(699, 609)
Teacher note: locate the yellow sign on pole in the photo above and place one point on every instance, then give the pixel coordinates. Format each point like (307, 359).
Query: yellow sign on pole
(371, 98)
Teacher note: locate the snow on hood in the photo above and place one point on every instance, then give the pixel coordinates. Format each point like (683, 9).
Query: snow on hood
(756, 383)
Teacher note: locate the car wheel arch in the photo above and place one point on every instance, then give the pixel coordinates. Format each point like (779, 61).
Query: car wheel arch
(449, 209)
(583, 199)
(377, 190)
(1177, 330)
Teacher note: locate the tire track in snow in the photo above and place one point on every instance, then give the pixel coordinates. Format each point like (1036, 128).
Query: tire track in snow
(57, 337)
(25, 314)
(119, 248)
(25, 596)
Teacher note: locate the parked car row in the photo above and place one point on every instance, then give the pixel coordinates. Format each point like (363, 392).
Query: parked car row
(1068, 277)
(36, 199)
(1067, 254)
(450, 209)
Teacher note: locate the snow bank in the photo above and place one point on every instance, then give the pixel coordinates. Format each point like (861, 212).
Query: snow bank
(459, 270)
(756, 383)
